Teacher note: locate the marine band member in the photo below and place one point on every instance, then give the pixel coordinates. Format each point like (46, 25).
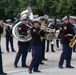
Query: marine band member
(9, 36)
(1, 64)
(36, 47)
(22, 46)
(67, 35)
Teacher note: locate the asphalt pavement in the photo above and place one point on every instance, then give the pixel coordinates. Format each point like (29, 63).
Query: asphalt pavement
(50, 66)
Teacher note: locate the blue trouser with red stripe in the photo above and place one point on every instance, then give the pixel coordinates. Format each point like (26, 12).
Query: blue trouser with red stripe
(43, 49)
(1, 67)
(36, 50)
(9, 39)
(66, 54)
(23, 50)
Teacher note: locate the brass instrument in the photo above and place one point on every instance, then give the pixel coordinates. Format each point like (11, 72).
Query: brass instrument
(24, 14)
(73, 41)
(43, 27)
(51, 33)
(5, 25)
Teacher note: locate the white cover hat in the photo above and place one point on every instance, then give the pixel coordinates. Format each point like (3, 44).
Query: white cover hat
(64, 18)
(73, 17)
(58, 20)
(8, 20)
(23, 17)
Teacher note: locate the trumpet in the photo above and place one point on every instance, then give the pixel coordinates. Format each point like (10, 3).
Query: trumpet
(4, 25)
(7, 24)
(73, 42)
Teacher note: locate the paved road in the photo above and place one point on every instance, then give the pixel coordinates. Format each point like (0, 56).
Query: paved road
(49, 68)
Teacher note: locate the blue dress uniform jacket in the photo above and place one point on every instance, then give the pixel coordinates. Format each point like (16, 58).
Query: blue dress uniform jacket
(8, 31)
(66, 32)
(36, 41)
(23, 31)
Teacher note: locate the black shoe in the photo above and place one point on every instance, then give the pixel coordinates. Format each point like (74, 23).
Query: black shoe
(15, 66)
(2, 52)
(69, 67)
(74, 51)
(41, 63)
(47, 51)
(29, 71)
(3, 73)
(36, 71)
(60, 66)
(13, 51)
(25, 66)
(53, 51)
(7, 51)
(45, 59)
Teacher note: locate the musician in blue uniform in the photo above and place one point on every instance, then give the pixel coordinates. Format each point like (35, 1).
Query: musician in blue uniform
(67, 35)
(43, 40)
(36, 47)
(74, 27)
(22, 46)
(57, 27)
(51, 41)
(9, 36)
(1, 65)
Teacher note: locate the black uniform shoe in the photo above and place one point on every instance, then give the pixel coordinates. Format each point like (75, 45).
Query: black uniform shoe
(2, 52)
(29, 71)
(41, 63)
(60, 66)
(13, 51)
(7, 51)
(25, 66)
(74, 51)
(45, 59)
(36, 71)
(15, 66)
(47, 51)
(3, 73)
(53, 51)
(69, 67)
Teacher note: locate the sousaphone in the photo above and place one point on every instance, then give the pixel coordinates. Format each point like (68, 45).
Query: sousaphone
(28, 14)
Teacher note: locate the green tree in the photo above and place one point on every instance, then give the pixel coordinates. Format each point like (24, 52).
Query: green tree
(53, 8)
(66, 7)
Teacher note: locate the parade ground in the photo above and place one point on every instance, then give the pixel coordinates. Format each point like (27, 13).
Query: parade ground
(50, 67)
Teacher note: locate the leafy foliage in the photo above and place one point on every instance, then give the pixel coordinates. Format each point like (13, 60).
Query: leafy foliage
(53, 8)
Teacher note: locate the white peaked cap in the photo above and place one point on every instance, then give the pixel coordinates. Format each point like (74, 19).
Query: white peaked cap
(58, 20)
(64, 18)
(73, 17)
(23, 17)
(8, 20)
(38, 18)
